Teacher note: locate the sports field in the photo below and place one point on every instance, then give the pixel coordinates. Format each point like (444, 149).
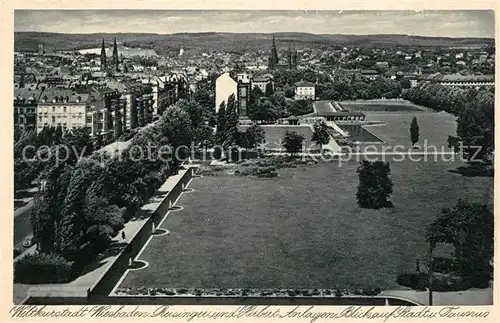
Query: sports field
(276, 133)
(434, 129)
(300, 230)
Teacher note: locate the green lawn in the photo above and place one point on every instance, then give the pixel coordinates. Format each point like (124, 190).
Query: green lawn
(300, 230)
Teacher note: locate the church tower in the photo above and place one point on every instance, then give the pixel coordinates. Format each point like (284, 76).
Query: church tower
(294, 59)
(289, 56)
(115, 56)
(273, 58)
(103, 56)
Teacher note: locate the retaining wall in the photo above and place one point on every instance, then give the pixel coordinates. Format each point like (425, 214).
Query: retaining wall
(107, 280)
(145, 300)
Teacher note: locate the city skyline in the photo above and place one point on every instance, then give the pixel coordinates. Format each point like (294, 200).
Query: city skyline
(464, 23)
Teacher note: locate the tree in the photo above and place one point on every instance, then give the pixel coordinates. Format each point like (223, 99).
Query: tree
(194, 110)
(58, 134)
(231, 123)
(175, 125)
(28, 137)
(454, 142)
(255, 95)
(405, 83)
(78, 143)
(469, 228)
(375, 185)
(475, 125)
(205, 95)
(414, 131)
(289, 91)
(321, 135)
(255, 135)
(45, 215)
(300, 107)
(221, 124)
(204, 136)
(269, 89)
(293, 142)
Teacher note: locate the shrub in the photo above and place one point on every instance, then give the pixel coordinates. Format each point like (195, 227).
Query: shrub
(217, 153)
(443, 265)
(41, 268)
(372, 291)
(449, 283)
(418, 281)
(259, 171)
(440, 282)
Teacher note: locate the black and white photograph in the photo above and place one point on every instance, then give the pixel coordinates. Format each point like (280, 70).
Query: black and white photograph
(253, 157)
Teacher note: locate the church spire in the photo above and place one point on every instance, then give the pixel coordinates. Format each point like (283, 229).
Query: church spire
(103, 56)
(115, 55)
(294, 58)
(273, 58)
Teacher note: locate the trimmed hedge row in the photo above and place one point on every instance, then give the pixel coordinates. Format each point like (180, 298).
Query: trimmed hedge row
(257, 171)
(41, 268)
(440, 282)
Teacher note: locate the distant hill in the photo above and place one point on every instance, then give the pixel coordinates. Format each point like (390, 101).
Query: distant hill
(237, 42)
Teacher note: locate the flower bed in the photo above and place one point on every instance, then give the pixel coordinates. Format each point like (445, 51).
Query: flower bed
(245, 292)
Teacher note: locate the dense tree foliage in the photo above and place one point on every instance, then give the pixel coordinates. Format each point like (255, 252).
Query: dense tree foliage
(321, 135)
(414, 131)
(227, 123)
(375, 185)
(255, 135)
(469, 228)
(84, 202)
(474, 109)
(292, 142)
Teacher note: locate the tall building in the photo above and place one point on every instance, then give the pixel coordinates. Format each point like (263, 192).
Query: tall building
(305, 90)
(230, 84)
(225, 85)
(116, 61)
(103, 57)
(295, 62)
(289, 56)
(25, 105)
(81, 107)
(273, 58)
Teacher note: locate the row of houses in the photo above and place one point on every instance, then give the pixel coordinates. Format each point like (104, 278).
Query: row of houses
(105, 109)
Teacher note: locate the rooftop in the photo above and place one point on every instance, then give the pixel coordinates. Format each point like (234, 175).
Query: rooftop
(468, 78)
(78, 94)
(27, 94)
(304, 84)
(339, 113)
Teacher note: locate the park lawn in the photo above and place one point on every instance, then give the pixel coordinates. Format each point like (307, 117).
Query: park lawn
(300, 230)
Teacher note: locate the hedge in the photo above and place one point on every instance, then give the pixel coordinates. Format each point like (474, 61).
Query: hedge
(41, 268)
(440, 282)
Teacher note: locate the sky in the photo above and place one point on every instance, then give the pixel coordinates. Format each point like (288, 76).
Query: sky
(463, 23)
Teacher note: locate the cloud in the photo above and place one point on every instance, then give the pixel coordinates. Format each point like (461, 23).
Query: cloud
(465, 23)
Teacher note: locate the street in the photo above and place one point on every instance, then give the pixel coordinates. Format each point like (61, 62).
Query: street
(22, 225)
